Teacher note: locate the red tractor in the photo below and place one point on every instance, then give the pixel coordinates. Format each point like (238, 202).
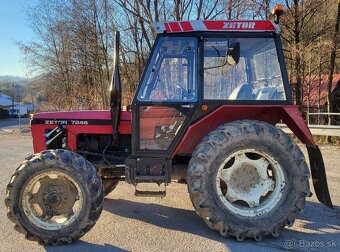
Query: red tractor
(204, 113)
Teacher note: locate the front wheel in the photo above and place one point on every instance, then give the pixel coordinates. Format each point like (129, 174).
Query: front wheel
(55, 196)
(248, 179)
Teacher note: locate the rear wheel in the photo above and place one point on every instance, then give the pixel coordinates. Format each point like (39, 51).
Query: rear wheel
(54, 197)
(248, 179)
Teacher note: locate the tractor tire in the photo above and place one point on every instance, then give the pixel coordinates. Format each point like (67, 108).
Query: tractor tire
(54, 197)
(109, 185)
(248, 179)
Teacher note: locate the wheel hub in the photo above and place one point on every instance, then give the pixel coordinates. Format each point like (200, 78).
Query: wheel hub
(55, 196)
(52, 199)
(244, 179)
(249, 182)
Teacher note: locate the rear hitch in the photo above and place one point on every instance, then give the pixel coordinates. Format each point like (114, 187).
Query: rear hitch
(319, 178)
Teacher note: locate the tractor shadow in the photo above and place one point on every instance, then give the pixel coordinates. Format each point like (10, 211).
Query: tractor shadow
(316, 217)
(162, 216)
(83, 246)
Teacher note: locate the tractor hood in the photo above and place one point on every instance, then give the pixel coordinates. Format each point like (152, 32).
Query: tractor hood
(82, 117)
(76, 115)
(76, 123)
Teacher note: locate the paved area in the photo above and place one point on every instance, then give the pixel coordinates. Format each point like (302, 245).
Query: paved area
(11, 123)
(171, 224)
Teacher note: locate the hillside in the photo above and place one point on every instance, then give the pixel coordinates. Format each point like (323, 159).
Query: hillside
(15, 79)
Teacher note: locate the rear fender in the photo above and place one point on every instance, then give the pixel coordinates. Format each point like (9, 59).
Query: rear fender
(293, 119)
(319, 178)
(291, 116)
(272, 114)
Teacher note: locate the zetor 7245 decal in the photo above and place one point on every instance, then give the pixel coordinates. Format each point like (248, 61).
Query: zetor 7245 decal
(204, 113)
(74, 122)
(65, 122)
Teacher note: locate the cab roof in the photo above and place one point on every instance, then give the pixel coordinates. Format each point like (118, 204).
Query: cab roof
(215, 25)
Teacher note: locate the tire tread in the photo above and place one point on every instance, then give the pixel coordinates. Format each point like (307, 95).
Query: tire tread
(73, 161)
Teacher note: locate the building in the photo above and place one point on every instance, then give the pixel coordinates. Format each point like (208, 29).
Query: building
(5, 105)
(5, 101)
(315, 97)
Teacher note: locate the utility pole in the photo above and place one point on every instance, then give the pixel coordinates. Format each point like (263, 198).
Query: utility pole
(19, 116)
(12, 99)
(32, 102)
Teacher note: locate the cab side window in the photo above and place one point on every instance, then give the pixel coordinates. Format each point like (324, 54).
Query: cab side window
(256, 76)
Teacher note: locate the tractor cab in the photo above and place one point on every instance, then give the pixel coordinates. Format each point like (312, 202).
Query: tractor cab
(232, 65)
(194, 68)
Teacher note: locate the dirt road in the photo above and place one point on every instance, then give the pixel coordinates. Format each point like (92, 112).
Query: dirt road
(170, 224)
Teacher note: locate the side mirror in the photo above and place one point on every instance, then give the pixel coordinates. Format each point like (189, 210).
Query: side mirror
(233, 54)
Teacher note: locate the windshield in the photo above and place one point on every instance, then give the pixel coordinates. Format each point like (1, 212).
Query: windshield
(170, 75)
(257, 76)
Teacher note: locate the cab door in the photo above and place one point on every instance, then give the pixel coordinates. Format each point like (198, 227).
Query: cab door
(166, 97)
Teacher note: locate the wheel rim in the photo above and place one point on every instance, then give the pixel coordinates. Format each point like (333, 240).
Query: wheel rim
(250, 183)
(52, 200)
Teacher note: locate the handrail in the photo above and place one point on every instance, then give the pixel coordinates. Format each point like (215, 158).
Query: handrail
(318, 130)
(324, 113)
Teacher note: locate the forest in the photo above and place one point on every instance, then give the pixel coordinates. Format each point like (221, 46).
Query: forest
(73, 48)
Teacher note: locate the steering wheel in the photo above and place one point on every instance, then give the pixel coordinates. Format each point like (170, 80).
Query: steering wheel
(266, 80)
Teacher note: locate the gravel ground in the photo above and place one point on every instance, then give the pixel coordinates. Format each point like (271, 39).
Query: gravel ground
(129, 223)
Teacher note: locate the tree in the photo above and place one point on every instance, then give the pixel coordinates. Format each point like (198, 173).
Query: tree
(74, 44)
(297, 36)
(73, 51)
(334, 46)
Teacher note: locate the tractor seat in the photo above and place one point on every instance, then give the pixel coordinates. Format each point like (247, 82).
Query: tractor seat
(243, 92)
(267, 93)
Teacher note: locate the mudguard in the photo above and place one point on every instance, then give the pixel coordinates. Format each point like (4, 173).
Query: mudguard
(295, 122)
(289, 114)
(319, 178)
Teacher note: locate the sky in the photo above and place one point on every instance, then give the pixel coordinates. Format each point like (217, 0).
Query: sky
(13, 27)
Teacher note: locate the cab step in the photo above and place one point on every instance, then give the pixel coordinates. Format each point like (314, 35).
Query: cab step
(149, 190)
(150, 193)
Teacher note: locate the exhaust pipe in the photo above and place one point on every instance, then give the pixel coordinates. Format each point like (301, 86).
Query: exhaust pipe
(115, 89)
